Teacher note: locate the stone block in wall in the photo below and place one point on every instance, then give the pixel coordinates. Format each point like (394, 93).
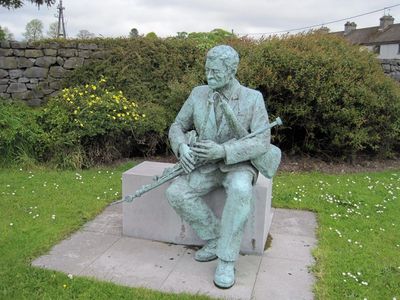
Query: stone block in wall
(99, 55)
(3, 88)
(3, 73)
(58, 72)
(89, 46)
(22, 96)
(84, 53)
(34, 102)
(18, 52)
(6, 52)
(55, 85)
(4, 81)
(45, 61)
(67, 52)
(8, 63)
(386, 68)
(73, 62)
(60, 61)
(36, 72)
(23, 80)
(16, 73)
(24, 62)
(16, 88)
(50, 52)
(31, 86)
(34, 80)
(18, 45)
(33, 53)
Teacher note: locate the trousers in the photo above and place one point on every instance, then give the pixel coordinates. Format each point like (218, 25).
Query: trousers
(185, 196)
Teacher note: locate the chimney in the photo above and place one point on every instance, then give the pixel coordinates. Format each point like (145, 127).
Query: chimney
(349, 27)
(385, 21)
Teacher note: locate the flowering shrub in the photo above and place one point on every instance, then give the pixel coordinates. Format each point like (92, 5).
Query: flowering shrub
(89, 124)
(94, 109)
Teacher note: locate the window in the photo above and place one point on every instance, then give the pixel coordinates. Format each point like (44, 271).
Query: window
(376, 49)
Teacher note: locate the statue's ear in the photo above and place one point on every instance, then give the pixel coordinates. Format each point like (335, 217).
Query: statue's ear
(233, 72)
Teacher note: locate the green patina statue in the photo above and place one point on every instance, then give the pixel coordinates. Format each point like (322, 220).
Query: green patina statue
(231, 145)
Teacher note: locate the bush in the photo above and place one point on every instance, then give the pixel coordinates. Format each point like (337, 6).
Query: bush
(20, 134)
(334, 98)
(89, 124)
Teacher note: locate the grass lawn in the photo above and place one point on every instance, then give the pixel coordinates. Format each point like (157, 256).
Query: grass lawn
(358, 253)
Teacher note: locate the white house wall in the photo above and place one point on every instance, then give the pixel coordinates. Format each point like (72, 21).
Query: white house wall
(390, 51)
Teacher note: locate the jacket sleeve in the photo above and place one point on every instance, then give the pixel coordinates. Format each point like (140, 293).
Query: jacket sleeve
(238, 151)
(182, 124)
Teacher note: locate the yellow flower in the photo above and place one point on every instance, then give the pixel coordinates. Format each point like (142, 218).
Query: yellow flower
(64, 286)
(125, 107)
(75, 111)
(94, 87)
(86, 85)
(143, 115)
(80, 94)
(114, 117)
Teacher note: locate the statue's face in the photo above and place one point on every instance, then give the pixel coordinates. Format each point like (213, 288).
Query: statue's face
(217, 74)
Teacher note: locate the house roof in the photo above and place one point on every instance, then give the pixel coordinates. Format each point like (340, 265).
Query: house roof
(373, 35)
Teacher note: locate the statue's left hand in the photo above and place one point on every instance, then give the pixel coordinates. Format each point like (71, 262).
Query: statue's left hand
(208, 150)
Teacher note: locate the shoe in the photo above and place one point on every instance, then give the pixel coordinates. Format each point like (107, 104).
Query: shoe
(224, 277)
(207, 253)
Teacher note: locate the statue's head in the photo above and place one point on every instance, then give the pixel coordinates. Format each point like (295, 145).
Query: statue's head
(221, 66)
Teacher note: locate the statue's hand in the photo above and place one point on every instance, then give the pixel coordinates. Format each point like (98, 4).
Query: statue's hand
(208, 150)
(186, 158)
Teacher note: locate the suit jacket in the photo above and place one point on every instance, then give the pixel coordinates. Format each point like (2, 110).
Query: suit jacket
(197, 113)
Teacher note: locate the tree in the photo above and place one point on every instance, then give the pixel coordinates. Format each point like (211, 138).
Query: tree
(33, 30)
(2, 34)
(9, 35)
(85, 34)
(182, 35)
(133, 33)
(19, 3)
(52, 32)
(152, 35)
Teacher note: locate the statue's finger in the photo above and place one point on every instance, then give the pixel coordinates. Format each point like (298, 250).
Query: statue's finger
(200, 150)
(188, 163)
(203, 155)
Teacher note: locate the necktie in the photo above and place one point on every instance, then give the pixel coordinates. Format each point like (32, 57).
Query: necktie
(218, 110)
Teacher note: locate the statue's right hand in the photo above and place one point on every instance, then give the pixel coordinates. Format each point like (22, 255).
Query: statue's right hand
(186, 157)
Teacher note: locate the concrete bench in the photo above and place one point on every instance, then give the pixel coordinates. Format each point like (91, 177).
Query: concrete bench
(151, 217)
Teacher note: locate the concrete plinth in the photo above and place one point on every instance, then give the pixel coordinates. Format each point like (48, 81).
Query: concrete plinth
(151, 217)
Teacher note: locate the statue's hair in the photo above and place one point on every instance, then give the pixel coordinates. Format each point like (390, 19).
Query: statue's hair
(227, 54)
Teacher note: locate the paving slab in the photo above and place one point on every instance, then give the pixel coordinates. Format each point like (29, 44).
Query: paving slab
(100, 250)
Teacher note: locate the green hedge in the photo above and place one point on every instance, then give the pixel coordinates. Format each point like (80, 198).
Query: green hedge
(334, 98)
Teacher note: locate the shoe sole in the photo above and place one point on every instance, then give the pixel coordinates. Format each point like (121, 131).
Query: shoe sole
(223, 287)
(206, 260)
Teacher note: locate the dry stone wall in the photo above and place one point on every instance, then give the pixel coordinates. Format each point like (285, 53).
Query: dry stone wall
(34, 72)
(391, 67)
